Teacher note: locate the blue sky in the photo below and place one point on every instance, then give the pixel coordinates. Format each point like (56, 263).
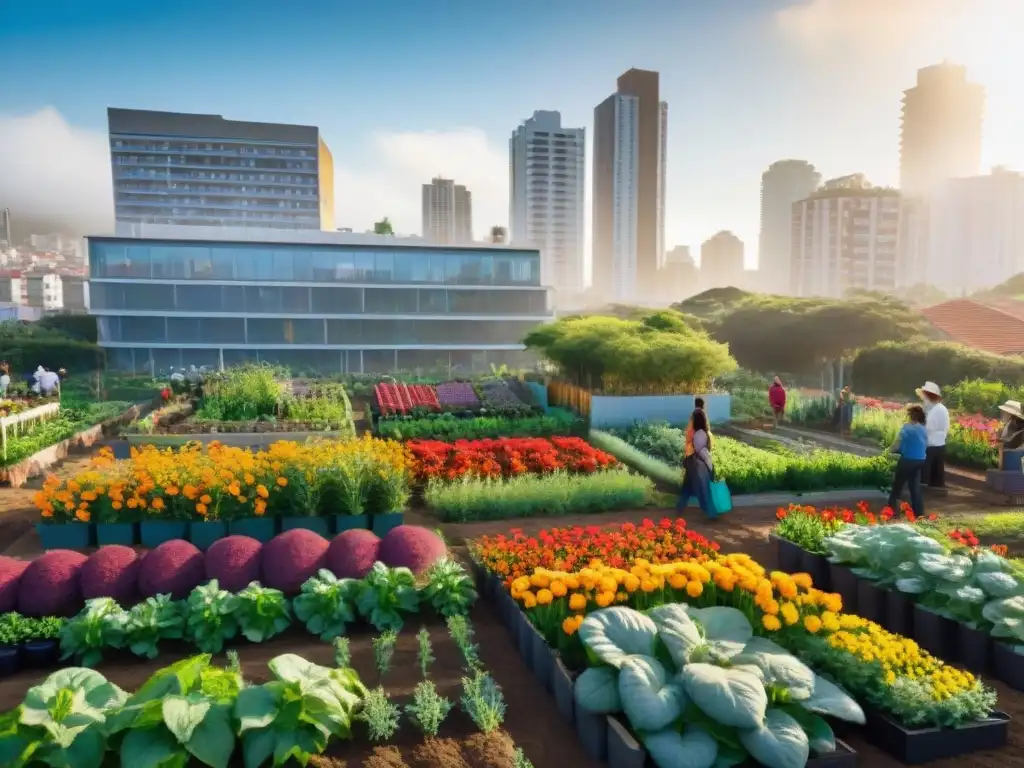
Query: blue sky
(404, 90)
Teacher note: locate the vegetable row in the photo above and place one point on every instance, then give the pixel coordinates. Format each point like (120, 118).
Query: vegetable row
(447, 426)
(507, 397)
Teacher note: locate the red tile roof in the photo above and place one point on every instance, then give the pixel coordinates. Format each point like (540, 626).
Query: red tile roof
(996, 327)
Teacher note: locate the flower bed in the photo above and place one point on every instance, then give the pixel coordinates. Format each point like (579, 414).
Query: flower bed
(648, 637)
(657, 451)
(449, 427)
(506, 457)
(170, 491)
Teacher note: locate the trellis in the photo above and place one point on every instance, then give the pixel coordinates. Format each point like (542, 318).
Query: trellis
(19, 423)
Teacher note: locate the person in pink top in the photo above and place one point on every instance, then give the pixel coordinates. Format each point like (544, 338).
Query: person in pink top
(777, 400)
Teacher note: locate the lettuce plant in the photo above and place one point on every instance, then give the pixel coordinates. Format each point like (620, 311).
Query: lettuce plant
(296, 714)
(876, 552)
(210, 617)
(385, 594)
(325, 604)
(702, 690)
(98, 626)
(156, 618)
(182, 712)
(449, 589)
(262, 612)
(61, 722)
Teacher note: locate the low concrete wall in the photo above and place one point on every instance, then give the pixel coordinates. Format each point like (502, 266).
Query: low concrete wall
(610, 411)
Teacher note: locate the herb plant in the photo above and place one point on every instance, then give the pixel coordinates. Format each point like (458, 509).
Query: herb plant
(383, 650)
(380, 715)
(428, 709)
(262, 612)
(98, 626)
(385, 594)
(211, 618)
(520, 760)
(342, 653)
(325, 604)
(156, 618)
(425, 655)
(483, 701)
(461, 632)
(449, 588)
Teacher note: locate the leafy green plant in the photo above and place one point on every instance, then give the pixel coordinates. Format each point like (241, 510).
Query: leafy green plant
(182, 712)
(262, 612)
(448, 427)
(46, 628)
(294, 716)
(156, 618)
(98, 626)
(342, 652)
(210, 617)
(425, 655)
(385, 594)
(483, 701)
(13, 628)
(325, 604)
(383, 650)
(449, 589)
(380, 715)
(520, 760)
(461, 632)
(428, 709)
(61, 721)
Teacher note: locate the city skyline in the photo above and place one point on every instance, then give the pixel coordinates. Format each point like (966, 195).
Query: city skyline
(779, 65)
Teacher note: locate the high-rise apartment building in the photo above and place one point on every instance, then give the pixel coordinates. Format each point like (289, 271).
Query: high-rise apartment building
(721, 261)
(447, 212)
(547, 172)
(630, 128)
(5, 228)
(784, 183)
(940, 135)
(976, 237)
(845, 236)
(183, 169)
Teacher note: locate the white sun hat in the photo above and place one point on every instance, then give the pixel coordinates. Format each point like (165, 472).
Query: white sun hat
(1011, 407)
(929, 388)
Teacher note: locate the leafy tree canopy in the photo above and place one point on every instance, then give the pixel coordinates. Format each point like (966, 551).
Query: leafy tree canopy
(383, 227)
(660, 352)
(713, 302)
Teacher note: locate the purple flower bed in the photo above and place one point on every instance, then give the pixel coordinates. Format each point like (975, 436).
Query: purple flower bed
(458, 394)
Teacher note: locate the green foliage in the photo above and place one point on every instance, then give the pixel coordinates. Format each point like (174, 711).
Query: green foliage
(210, 617)
(448, 427)
(425, 650)
(244, 393)
(73, 326)
(428, 709)
(980, 396)
(16, 629)
(383, 227)
(385, 594)
(325, 604)
(558, 493)
(262, 612)
(71, 421)
(100, 625)
(461, 633)
(660, 353)
(342, 652)
(483, 701)
(888, 369)
(380, 715)
(520, 760)
(449, 589)
(383, 650)
(713, 303)
(154, 619)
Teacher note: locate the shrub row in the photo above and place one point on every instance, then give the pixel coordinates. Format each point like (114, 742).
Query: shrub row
(897, 369)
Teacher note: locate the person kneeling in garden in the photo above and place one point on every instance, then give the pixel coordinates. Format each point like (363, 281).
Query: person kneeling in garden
(698, 467)
(912, 446)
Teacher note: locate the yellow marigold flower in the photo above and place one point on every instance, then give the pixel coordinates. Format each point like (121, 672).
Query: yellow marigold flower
(771, 623)
(812, 624)
(558, 589)
(604, 599)
(802, 580)
(694, 588)
(529, 600)
(282, 481)
(631, 583)
(539, 579)
(830, 621)
(621, 597)
(544, 597)
(647, 585)
(832, 602)
(608, 584)
(577, 602)
(677, 581)
(569, 625)
(790, 614)
(521, 584)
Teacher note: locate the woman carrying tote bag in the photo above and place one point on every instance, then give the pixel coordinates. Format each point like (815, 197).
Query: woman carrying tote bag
(699, 472)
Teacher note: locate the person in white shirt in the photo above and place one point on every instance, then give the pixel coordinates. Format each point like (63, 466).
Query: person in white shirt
(937, 424)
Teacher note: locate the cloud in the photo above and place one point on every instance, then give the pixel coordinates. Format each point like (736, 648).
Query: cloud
(51, 170)
(400, 163)
(55, 171)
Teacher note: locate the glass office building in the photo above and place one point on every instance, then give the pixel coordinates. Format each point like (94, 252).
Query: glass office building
(331, 302)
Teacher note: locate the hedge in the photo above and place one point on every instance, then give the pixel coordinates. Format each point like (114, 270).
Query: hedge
(26, 354)
(899, 368)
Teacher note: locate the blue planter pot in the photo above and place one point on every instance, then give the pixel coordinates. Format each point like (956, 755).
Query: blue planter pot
(125, 534)
(10, 660)
(562, 686)
(593, 733)
(543, 660)
(344, 523)
(259, 528)
(384, 523)
(65, 535)
(319, 525)
(204, 534)
(154, 534)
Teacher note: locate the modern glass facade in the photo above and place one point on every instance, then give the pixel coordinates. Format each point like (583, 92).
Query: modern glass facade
(330, 307)
(171, 168)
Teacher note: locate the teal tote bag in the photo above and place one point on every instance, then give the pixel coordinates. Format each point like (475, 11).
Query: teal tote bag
(721, 499)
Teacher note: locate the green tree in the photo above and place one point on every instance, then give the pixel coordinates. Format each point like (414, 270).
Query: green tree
(499, 234)
(383, 227)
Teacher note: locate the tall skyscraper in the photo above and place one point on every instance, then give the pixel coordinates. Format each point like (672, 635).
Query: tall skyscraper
(784, 183)
(173, 168)
(845, 236)
(721, 262)
(447, 212)
(940, 135)
(547, 172)
(5, 228)
(630, 129)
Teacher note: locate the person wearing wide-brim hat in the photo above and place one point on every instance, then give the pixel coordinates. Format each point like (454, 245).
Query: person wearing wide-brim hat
(937, 423)
(1012, 436)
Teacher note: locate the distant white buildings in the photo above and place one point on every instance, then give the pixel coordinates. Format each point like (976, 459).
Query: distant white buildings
(547, 174)
(721, 262)
(447, 213)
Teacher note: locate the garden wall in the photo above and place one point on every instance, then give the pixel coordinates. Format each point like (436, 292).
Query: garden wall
(610, 411)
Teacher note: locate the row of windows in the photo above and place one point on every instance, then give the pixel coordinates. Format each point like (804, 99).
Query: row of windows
(214, 162)
(273, 299)
(165, 176)
(309, 264)
(181, 203)
(163, 188)
(282, 220)
(251, 330)
(329, 361)
(141, 145)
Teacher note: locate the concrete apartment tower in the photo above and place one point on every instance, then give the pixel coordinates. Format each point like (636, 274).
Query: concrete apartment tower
(547, 173)
(784, 183)
(721, 262)
(630, 128)
(447, 212)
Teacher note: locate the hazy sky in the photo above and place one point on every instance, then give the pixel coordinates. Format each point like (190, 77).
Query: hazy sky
(407, 89)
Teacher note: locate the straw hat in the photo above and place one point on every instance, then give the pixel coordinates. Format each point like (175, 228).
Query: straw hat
(1011, 407)
(929, 388)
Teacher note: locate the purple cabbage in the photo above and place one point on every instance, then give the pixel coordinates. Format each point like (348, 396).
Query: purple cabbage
(458, 394)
